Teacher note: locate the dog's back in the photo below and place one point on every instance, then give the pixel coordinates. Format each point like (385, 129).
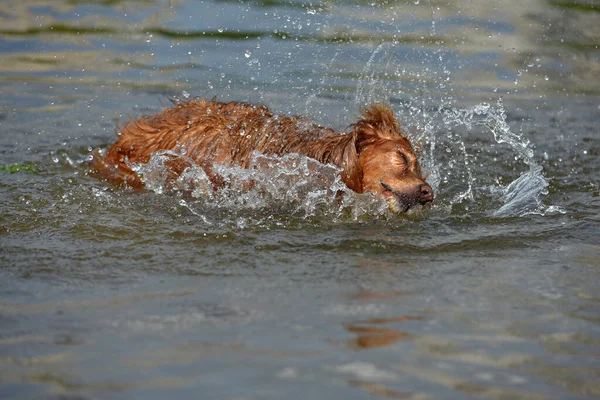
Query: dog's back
(206, 132)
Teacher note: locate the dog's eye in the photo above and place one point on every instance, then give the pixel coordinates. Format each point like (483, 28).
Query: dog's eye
(403, 158)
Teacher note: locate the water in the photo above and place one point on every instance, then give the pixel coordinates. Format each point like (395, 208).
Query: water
(288, 290)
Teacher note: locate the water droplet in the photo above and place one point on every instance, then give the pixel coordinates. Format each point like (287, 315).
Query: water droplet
(248, 54)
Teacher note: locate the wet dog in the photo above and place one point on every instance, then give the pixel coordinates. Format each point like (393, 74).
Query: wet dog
(373, 153)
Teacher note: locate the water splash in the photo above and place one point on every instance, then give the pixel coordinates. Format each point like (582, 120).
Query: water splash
(158, 176)
(523, 195)
(494, 118)
(298, 185)
(367, 86)
(292, 185)
(301, 186)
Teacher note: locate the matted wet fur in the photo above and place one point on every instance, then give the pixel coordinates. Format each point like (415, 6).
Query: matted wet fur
(372, 153)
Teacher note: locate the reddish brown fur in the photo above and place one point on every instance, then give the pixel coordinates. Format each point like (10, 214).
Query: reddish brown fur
(373, 154)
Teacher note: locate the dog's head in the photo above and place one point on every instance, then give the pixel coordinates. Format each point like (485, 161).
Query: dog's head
(388, 162)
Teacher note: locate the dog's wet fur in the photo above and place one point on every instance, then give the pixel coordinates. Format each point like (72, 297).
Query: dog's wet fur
(373, 153)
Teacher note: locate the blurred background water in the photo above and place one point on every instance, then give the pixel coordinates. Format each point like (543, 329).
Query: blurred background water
(107, 293)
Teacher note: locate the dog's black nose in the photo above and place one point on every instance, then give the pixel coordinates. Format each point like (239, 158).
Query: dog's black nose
(425, 194)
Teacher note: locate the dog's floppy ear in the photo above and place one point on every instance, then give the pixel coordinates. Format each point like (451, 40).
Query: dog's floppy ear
(343, 152)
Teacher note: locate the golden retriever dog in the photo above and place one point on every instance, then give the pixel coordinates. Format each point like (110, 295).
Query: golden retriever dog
(373, 154)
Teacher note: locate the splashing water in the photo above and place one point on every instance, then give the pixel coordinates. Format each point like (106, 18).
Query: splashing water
(297, 185)
(290, 185)
(495, 120)
(523, 195)
(301, 186)
(367, 87)
(156, 175)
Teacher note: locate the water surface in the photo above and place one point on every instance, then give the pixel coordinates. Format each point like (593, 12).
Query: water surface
(284, 292)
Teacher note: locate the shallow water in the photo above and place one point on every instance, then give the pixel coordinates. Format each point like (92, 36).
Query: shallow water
(284, 291)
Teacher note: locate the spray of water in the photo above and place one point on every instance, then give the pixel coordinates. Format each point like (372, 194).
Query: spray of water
(292, 185)
(522, 196)
(297, 185)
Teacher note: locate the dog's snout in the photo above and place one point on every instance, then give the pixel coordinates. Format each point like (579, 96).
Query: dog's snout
(425, 194)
